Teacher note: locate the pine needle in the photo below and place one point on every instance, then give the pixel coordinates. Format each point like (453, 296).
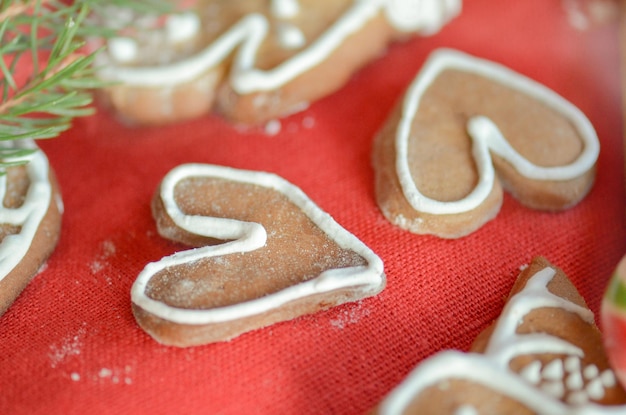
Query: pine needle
(47, 38)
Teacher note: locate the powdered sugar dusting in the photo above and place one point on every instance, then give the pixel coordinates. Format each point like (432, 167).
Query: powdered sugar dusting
(585, 14)
(69, 346)
(115, 375)
(107, 250)
(121, 376)
(350, 315)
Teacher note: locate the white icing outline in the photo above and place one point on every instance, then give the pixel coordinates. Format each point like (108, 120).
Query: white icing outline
(246, 237)
(485, 134)
(491, 369)
(29, 215)
(246, 36)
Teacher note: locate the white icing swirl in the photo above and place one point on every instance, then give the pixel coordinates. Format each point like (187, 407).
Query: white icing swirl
(246, 237)
(246, 37)
(485, 134)
(29, 214)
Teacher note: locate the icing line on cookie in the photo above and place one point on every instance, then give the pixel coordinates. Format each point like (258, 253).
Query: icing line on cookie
(29, 215)
(250, 236)
(476, 367)
(506, 344)
(248, 34)
(491, 369)
(485, 134)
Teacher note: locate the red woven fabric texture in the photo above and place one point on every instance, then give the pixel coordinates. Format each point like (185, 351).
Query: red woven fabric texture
(70, 344)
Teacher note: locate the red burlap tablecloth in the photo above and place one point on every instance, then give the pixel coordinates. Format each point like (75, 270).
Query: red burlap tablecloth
(70, 345)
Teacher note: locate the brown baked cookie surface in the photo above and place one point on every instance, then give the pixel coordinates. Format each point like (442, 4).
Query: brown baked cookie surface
(254, 60)
(265, 253)
(544, 355)
(466, 129)
(30, 223)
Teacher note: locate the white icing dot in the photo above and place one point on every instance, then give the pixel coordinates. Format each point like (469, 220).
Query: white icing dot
(182, 27)
(574, 381)
(555, 389)
(75, 376)
(572, 364)
(122, 49)
(425, 15)
(553, 370)
(285, 9)
(608, 378)
(590, 371)
(595, 389)
(578, 398)
(532, 372)
(290, 36)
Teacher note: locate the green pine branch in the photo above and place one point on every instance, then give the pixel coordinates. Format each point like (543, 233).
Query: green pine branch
(47, 38)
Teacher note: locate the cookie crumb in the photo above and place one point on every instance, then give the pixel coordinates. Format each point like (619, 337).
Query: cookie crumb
(308, 122)
(349, 316)
(107, 250)
(70, 346)
(105, 373)
(586, 14)
(273, 127)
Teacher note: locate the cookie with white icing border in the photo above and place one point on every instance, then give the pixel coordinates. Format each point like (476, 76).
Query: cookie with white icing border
(543, 355)
(259, 59)
(30, 221)
(467, 128)
(264, 253)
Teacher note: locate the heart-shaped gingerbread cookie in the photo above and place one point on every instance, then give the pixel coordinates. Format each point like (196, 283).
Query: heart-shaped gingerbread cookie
(265, 253)
(467, 128)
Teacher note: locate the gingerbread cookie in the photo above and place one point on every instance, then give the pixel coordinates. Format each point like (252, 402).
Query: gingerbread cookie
(614, 320)
(30, 221)
(467, 128)
(255, 60)
(265, 253)
(543, 355)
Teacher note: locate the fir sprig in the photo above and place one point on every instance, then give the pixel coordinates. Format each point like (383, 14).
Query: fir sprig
(43, 103)
(46, 40)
